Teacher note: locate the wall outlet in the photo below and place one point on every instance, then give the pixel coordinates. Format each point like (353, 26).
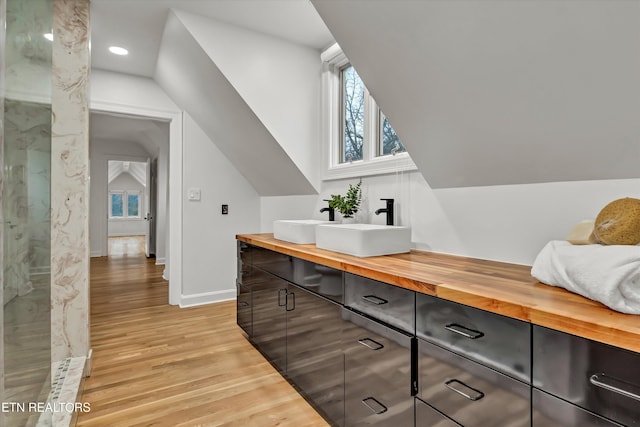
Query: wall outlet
(194, 194)
(225, 209)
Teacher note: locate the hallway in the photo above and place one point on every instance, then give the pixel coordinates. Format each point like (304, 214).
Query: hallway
(155, 364)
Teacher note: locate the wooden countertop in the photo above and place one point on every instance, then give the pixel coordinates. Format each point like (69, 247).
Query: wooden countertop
(502, 288)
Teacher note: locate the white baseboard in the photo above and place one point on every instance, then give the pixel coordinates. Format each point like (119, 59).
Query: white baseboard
(207, 298)
(95, 254)
(161, 261)
(165, 274)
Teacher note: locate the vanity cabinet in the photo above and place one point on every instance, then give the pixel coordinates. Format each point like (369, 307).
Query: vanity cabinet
(596, 377)
(364, 352)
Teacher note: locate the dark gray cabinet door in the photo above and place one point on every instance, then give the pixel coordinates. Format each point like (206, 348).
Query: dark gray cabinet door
(377, 374)
(269, 296)
(315, 362)
(243, 308)
(549, 411)
(426, 416)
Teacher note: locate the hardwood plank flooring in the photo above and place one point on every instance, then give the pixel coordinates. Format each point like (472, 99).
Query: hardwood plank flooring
(159, 365)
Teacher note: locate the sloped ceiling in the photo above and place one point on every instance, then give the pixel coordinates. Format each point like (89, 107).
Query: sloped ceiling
(196, 84)
(137, 170)
(500, 92)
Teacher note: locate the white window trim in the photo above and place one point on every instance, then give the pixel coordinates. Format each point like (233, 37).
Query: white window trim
(333, 59)
(125, 203)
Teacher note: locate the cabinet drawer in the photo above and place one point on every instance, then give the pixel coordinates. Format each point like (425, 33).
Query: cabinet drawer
(491, 339)
(377, 373)
(549, 411)
(469, 393)
(278, 264)
(322, 280)
(426, 416)
(598, 377)
(390, 304)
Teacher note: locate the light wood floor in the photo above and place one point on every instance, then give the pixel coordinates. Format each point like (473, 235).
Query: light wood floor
(159, 365)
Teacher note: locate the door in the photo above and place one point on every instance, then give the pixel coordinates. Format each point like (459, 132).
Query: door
(150, 196)
(269, 301)
(315, 362)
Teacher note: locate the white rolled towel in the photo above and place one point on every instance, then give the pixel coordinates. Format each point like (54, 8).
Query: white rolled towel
(608, 274)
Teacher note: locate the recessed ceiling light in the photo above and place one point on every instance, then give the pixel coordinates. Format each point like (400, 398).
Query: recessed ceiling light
(49, 36)
(118, 50)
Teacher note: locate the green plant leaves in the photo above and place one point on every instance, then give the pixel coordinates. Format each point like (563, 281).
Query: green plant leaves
(348, 204)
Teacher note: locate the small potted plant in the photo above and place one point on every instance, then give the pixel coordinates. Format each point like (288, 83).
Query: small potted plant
(348, 204)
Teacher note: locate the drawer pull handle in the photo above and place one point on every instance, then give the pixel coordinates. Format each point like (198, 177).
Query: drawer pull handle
(293, 299)
(479, 395)
(380, 407)
(374, 299)
(366, 342)
(615, 385)
(465, 332)
(280, 303)
(243, 304)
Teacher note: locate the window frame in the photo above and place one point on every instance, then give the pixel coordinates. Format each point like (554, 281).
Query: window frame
(373, 163)
(125, 205)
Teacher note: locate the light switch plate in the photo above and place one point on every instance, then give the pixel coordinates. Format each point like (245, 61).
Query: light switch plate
(194, 194)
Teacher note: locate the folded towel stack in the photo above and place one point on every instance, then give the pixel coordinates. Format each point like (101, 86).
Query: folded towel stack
(608, 274)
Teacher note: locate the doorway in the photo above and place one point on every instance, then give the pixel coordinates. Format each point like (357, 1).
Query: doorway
(169, 201)
(131, 203)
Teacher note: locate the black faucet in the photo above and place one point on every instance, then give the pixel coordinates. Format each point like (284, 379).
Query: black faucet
(388, 210)
(332, 212)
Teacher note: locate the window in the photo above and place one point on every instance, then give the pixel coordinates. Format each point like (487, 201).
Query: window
(124, 204)
(359, 138)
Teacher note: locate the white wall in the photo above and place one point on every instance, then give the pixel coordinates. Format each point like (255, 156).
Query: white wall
(192, 78)
(209, 254)
(508, 223)
(278, 79)
(500, 92)
(101, 152)
(128, 226)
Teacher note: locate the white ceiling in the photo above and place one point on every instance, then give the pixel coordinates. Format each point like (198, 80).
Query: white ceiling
(138, 26)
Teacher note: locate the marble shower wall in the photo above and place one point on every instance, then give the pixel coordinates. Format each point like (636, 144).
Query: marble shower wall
(70, 181)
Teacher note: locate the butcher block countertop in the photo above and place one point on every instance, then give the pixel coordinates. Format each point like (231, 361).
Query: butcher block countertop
(498, 287)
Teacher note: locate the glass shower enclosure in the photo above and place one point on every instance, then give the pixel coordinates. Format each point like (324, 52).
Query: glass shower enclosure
(26, 209)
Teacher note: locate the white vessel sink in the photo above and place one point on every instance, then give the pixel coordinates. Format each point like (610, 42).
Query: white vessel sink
(300, 231)
(363, 240)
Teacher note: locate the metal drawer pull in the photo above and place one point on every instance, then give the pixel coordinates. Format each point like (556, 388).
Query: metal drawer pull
(280, 304)
(465, 332)
(479, 395)
(374, 299)
(615, 385)
(293, 298)
(382, 409)
(243, 304)
(376, 345)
